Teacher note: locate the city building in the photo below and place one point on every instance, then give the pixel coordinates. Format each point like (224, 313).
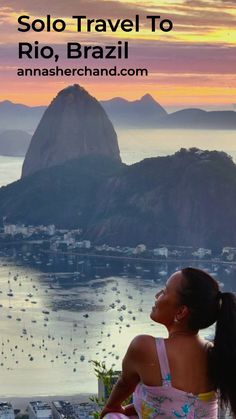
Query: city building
(140, 249)
(201, 253)
(161, 251)
(51, 230)
(39, 410)
(85, 410)
(65, 410)
(62, 409)
(12, 229)
(27, 231)
(229, 253)
(6, 411)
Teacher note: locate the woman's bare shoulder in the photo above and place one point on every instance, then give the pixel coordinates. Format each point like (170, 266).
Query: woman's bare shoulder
(142, 342)
(141, 346)
(140, 339)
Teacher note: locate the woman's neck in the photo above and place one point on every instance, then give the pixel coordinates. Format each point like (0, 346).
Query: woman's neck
(175, 333)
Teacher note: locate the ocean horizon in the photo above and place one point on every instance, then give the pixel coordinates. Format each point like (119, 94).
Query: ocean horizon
(136, 145)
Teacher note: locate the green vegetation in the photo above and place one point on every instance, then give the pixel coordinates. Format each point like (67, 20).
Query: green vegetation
(107, 376)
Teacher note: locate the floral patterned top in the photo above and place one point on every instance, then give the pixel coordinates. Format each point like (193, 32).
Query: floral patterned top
(165, 401)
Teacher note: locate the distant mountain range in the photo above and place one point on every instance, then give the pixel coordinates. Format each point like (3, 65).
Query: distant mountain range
(17, 116)
(199, 119)
(144, 113)
(175, 199)
(14, 142)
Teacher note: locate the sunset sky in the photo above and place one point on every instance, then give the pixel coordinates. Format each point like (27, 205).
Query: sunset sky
(193, 65)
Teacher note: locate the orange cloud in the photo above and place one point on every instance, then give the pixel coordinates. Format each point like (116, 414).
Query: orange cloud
(191, 64)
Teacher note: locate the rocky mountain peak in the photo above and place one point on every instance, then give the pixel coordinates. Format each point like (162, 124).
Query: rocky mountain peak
(147, 98)
(74, 125)
(151, 105)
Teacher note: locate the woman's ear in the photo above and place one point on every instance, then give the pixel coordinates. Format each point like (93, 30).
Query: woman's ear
(182, 313)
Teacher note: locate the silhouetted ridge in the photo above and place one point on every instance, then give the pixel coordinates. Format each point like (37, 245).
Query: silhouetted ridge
(175, 199)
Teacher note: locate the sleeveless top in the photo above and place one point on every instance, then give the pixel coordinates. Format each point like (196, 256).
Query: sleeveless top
(168, 402)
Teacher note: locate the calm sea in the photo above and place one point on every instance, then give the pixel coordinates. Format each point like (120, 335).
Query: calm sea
(54, 322)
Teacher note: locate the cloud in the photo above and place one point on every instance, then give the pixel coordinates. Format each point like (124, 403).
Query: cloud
(157, 57)
(230, 2)
(213, 4)
(189, 12)
(194, 20)
(195, 59)
(92, 8)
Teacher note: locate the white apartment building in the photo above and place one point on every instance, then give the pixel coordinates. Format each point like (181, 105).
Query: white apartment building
(62, 410)
(6, 411)
(140, 249)
(51, 229)
(65, 410)
(13, 229)
(229, 252)
(161, 251)
(201, 252)
(84, 410)
(39, 410)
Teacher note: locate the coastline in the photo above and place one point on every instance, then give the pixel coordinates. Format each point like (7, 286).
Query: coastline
(22, 402)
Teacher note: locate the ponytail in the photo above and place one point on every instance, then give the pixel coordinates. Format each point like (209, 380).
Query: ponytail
(223, 355)
(208, 305)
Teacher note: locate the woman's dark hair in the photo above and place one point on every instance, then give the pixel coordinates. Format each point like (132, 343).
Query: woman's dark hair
(207, 305)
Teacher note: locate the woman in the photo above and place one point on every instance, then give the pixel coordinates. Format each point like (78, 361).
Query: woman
(181, 377)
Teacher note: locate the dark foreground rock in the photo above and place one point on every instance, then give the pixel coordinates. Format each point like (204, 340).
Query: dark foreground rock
(188, 198)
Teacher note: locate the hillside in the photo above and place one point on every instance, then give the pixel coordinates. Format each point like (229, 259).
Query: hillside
(175, 199)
